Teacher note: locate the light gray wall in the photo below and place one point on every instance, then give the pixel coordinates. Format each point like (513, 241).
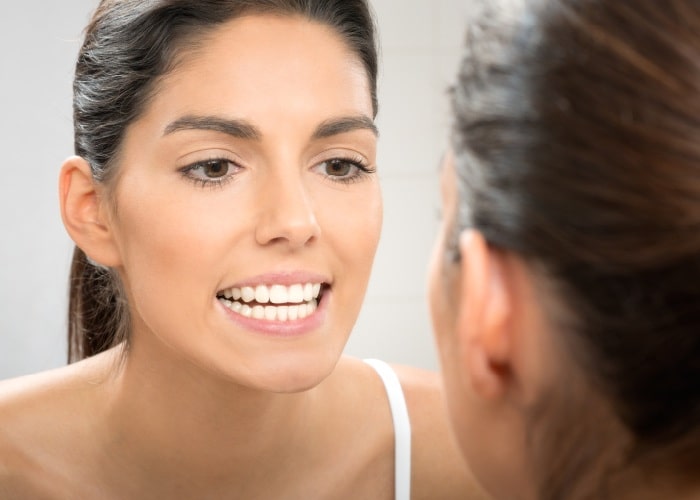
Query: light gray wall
(38, 45)
(420, 47)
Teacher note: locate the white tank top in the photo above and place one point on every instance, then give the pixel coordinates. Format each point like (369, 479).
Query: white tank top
(402, 428)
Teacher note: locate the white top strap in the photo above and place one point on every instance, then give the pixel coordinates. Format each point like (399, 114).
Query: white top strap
(402, 428)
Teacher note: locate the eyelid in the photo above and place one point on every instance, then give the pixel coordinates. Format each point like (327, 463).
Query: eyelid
(341, 153)
(205, 154)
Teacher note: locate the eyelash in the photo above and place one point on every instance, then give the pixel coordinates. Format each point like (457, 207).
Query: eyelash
(210, 182)
(357, 162)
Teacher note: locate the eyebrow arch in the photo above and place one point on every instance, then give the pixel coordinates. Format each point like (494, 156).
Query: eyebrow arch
(336, 126)
(236, 128)
(244, 130)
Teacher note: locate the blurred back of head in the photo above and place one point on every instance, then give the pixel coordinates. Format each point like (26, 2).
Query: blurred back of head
(577, 147)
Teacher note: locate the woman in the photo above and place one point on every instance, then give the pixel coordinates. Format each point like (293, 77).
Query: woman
(226, 211)
(565, 290)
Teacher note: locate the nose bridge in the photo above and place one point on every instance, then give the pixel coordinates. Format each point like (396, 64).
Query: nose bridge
(287, 212)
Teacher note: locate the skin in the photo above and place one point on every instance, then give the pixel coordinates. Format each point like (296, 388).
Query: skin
(492, 355)
(205, 404)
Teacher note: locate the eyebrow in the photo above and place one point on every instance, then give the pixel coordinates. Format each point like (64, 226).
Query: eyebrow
(241, 129)
(236, 128)
(336, 126)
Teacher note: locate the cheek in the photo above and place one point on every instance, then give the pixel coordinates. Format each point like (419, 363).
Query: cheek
(369, 225)
(353, 227)
(172, 239)
(170, 250)
(443, 315)
(434, 287)
(440, 312)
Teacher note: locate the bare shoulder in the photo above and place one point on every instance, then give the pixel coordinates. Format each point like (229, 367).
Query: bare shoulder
(23, 402)
(438, 470)
(23, 418)
(39, 417)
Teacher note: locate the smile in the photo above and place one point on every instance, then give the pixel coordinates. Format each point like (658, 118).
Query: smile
(274, 302)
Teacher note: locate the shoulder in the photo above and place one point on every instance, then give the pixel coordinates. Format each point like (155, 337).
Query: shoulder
(22, 421)
(41, 427)
(438, 469)
(28, 407)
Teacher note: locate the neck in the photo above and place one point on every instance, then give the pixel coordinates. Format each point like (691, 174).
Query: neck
(172, 410)
(636, 483)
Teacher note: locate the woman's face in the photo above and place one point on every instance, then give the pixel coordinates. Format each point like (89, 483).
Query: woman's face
(246, 209)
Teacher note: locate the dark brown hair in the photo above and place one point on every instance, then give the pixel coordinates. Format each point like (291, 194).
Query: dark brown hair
(576, 144)
(129, 45)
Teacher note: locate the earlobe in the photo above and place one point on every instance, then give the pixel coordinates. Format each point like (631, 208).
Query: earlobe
(83, 214)
(484, 319)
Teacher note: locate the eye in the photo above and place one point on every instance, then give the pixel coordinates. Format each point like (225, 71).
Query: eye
(211, 172)
(343, 170)
(214, 169)
(339, 168)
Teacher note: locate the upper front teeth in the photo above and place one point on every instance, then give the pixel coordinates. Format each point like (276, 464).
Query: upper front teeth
(275, 294)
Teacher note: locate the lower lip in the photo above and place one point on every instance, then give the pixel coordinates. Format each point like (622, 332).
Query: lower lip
(295, 328)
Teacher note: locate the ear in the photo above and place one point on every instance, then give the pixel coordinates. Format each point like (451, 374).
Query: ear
(484, 322)
(84, 216)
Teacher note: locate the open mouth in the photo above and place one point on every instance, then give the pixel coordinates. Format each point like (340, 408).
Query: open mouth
(274, 302)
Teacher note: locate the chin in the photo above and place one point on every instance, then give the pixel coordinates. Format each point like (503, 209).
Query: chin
(289, 372)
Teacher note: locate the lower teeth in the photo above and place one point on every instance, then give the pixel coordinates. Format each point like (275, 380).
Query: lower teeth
(270, 312)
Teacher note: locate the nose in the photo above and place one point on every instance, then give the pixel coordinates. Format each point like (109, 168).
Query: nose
(287, 214)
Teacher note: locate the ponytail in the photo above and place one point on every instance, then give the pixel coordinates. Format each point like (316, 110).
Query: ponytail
(97, 312)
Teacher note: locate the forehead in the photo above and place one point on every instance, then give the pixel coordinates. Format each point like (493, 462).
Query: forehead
(287, 61)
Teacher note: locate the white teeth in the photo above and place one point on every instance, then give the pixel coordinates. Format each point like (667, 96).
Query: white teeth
(275, 294)
(286, 303)
(296, 294)
(247, 294)
(278, 294)
(306, 309)
(282, 313)
(262, 294)
(293, 313)
(273, 313)
(258, 312)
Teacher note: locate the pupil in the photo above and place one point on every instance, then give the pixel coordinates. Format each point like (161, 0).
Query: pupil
(339, 168)
(215, 168)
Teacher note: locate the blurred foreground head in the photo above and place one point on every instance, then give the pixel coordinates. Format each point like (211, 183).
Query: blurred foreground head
(567, 303)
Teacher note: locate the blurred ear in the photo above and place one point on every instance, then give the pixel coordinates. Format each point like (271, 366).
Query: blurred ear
(485, 319)
(83, 213)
